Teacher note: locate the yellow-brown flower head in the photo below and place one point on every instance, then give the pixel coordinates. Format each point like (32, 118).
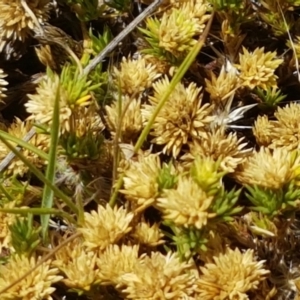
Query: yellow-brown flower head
(41, 104)
(104, 227)
(162, 66)
(226, 148)
(129, 117)
(140, 181)
(181, 120)
(179, 27)
(134, 76)
(87, 120)
(231, 276)
(159, 277)
(18, 19)
(269, 168)
(36, 285)
(287, 129)
(115, 261)
(148, 235)
(72, 89)
(263, 130)
(19, 129)
(6, 220)
(187, 204)
(283, 132)
(221, 87)
(48, 56)
(257, 68)
(79, 266)
(64, 254)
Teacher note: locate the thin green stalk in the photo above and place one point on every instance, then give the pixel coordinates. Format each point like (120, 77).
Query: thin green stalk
(39, 211)
(40, 176)
(175, 80)
(117, 137)
(48, 193)
(121, 114)
(6, 193)
(79, 202)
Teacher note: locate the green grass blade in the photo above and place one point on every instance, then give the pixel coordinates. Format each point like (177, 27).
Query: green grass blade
(40, 176)
(48, 193)
(24, 144)
(5, 192)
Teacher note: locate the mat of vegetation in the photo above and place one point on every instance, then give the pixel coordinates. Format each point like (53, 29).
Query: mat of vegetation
(150, 149)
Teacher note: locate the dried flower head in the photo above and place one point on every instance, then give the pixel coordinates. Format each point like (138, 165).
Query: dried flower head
(162, 66)
(226, 148)
(231, 276)
(257, 68)
(18, 18)
(134, 76)
(181, 120)
(269, 168)
(47, 55)
(148, 235)
(87, 120)
(283, 132)
(187, 204)
(37, 285)
(19, 129)
(159, 277)
(140, 181)
(115, 261)
(268, 291)
(78, 265)
(104, 227)
(129, 118)
(221, 87)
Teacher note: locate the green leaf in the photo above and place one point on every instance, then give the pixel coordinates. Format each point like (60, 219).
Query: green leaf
(166, 178)
(101, 41)
(227, 4)
(24, 237)
(5, 192)
(48, 193)
(265, 200)
(189, 241)
(270, 98)
(40, 176)
(224, 204)
(23, 144)
(86, 10)
(120, 5)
